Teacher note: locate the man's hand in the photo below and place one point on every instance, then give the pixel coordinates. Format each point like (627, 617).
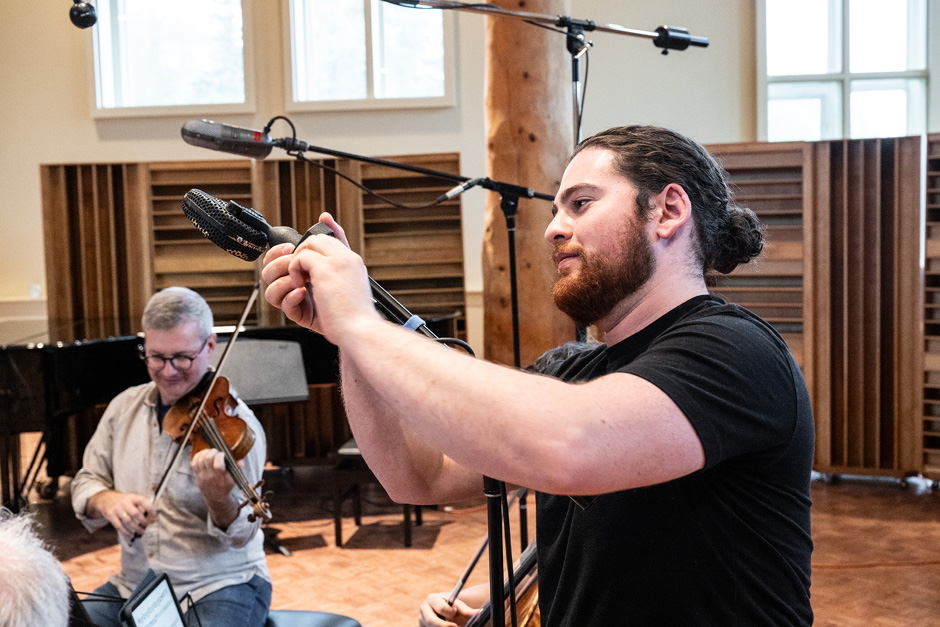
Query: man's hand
(295, 299)
(216, 483)
(129, 514)
(322, 285)
(435, 612)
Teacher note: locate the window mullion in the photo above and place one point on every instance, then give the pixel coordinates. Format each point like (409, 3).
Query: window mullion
(370, 52)
(846, 76)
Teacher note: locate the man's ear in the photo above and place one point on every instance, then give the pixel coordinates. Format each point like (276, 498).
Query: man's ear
(674, 209)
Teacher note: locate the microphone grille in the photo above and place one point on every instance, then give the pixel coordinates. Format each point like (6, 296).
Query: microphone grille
(211, 216)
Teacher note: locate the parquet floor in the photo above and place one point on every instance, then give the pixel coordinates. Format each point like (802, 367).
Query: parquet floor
(876, 559)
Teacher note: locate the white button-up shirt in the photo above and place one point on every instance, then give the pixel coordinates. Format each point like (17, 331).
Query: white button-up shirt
(129, 453)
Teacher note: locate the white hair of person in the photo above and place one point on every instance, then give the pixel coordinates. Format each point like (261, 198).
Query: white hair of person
(33, 587)
(173, 306)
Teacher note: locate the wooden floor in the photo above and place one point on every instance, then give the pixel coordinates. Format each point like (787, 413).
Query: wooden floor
(876, 560)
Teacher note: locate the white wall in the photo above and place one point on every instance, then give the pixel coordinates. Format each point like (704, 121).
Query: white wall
(45, 106)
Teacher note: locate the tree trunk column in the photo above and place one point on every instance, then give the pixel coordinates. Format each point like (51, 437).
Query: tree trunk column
(529, 140)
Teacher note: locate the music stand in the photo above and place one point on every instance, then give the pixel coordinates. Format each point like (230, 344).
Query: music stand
(265, 371)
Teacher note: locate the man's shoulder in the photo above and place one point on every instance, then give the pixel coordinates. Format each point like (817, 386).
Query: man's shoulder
(733, 318)
(130, 397)
(136, 391)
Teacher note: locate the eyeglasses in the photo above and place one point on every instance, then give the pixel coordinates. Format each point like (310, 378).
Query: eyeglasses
(180, 361)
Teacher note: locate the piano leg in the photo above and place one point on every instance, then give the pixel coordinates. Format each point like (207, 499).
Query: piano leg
(10, 470)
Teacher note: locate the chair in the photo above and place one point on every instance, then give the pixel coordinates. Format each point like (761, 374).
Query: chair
(349, 471)
(304, 618)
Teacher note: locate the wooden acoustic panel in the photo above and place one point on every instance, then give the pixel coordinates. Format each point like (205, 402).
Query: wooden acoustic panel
(97, 243)
(772, 180)
(182, 255)
(841, 280)
(869, 232)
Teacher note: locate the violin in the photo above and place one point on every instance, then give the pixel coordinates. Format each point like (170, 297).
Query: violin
(207, 418)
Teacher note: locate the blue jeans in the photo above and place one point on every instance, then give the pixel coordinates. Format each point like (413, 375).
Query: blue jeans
(234, 606)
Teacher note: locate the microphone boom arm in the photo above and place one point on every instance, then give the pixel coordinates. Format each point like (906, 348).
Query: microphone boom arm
(292, 145)
(665, 37)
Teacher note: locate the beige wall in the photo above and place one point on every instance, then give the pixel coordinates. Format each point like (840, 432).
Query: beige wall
(45, 104)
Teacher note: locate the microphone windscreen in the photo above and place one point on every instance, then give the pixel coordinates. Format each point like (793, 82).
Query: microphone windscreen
(211, 216)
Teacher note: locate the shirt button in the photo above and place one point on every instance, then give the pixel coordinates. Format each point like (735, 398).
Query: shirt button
(150, 555)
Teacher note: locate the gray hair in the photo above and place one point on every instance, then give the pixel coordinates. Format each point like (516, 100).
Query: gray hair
(33, 587)
(173, 306)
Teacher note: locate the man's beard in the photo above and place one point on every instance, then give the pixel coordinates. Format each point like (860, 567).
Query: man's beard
(603, 281)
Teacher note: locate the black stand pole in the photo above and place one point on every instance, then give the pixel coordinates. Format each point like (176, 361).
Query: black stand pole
(494, 530)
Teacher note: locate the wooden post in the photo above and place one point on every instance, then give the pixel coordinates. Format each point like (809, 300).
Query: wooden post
(530, 137)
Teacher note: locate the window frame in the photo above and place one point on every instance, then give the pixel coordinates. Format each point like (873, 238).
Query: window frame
(248, 106)
(370, 103)
(930, 74)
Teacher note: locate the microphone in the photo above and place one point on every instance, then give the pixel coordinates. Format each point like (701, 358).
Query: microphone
(240, 141)
(458, 189)
(237, 230)
(82, 14)
(244, 142)
(245, 233)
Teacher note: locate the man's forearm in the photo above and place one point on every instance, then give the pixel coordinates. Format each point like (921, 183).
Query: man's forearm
(410, 470)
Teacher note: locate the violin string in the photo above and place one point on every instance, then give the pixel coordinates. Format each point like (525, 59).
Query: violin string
(210, 428)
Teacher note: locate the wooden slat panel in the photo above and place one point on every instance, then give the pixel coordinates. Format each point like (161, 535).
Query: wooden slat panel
(872, 289)
(55, 212)
(921, 445)
(818, 330)
(909, 377)
(139, 243)
(195, 259)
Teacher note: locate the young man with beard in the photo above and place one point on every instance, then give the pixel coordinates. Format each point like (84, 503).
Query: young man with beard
(195, 533)
(689, 430)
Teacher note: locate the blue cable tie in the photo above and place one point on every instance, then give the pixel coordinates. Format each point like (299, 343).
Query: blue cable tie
(413, 323)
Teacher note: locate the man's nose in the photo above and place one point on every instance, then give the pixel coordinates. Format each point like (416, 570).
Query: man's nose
(558, 230)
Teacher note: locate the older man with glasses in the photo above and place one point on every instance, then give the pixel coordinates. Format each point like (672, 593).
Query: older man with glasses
(196, 532)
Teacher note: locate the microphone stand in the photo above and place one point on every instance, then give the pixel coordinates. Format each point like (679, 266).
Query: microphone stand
(665, 37)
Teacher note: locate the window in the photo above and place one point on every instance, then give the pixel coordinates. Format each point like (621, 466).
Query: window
(829, 69)
(368, 54)
(170, 57)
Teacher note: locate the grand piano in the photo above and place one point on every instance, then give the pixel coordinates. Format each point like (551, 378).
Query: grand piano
(60, 389)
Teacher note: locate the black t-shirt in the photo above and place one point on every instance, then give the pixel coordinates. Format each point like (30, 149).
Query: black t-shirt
(727, 545)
